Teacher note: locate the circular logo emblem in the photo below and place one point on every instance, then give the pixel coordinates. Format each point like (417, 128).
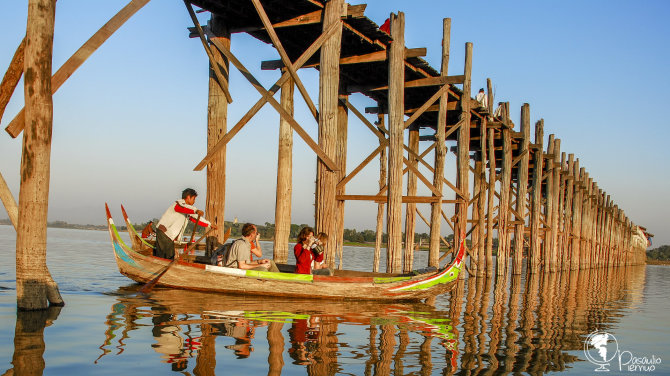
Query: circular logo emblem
(600, 348)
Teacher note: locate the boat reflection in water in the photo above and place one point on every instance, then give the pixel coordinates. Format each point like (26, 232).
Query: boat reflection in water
(514, 324)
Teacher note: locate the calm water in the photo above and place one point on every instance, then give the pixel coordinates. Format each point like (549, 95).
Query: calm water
(482, 326)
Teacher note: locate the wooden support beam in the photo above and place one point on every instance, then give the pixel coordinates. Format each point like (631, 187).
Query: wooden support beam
(425, 106)
(421, 82)
(267, 97)
(217, 125)
(440, 154)
(556, 185)
(396, 127)
(329, 83)
(383, 198)
(410, 208)
(284, 57)
(480, 176)
(560, 245)
(569, 192)
(576, 216)
(77, 59)
(341, 159)
(12, 77)
(284, 195)
(490, 201)
(463, 159)
(9, 202)
(352, 11)
(35, 288)
(522, 187)
(215, 63)
(371, 57)
(383, 165)
(535, 235)
(502, 258)
(549, 203)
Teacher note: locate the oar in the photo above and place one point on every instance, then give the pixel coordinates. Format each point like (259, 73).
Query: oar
(195, 227)
(150, 285)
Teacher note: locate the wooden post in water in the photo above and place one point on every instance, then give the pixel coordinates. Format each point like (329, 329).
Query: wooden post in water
(463, 152)
(579, 198)
(329, 84)
(502, 258)
(584, 220)
(475, 236)
(522, 189)
(480, 168)
(556, 185)
(383, 165)
(410, 208)
(549, 204)
(284, 194)
(35, 289)
(536, 203)
(576, 212)
(396, 90)
(490, 202)
(562, 254)
(217, 125)
(440, 154)
(586, 223)
(599, 229)
(570, 180)
(341, 160)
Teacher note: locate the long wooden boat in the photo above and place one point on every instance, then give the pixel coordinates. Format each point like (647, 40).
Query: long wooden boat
(344, 285)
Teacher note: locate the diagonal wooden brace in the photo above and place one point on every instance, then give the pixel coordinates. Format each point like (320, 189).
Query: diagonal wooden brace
(273, 102)
(77, 59)
(220, 78)
(261, 102)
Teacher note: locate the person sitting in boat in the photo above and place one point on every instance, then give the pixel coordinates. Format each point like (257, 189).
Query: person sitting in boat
(305, 255)
(173, 222)
(239, 255)
(148, 231)
(320, 267)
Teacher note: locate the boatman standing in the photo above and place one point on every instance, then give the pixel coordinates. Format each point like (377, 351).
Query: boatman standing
(173, 222)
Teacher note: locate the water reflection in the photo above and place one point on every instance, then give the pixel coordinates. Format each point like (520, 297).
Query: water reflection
(507, 324)
(29, 341)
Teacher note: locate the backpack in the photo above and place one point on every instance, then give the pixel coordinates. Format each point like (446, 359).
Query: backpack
(223, 251)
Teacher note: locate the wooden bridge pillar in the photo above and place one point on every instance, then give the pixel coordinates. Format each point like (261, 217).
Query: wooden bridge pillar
(217, 125)
(576, 213)
(536, 203)
(480, 171)
(410, 208)
(476, 215)
(505, 192)
(440, 154)
(35, 289)
(521, 192)
(463, 152)
(549, 203)
(570, 184)
(396, 91)
(490, 202)
(329, 84)
(556, 185)
(561, 257)
(284, 176)
(341, 160)
(383, 167)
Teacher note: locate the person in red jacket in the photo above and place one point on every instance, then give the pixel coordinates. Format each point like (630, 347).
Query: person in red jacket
(303, 251)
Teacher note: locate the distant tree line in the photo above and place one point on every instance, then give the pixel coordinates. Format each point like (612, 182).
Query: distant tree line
(661, 253)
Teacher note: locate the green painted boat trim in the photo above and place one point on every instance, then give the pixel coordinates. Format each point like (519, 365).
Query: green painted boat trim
(390, 279)
(280, 276)
(444, 279)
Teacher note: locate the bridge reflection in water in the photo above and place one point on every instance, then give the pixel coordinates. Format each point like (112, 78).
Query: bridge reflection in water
(482, 326)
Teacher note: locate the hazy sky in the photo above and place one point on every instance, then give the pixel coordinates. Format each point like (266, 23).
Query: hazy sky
(130, 124)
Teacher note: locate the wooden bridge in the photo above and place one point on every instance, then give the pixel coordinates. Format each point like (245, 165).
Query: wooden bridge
(546, 210)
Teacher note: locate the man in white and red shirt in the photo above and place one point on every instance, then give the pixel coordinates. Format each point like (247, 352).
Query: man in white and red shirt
(173, 222)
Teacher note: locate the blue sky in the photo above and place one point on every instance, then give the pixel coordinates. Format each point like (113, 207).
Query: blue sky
(130, 124)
